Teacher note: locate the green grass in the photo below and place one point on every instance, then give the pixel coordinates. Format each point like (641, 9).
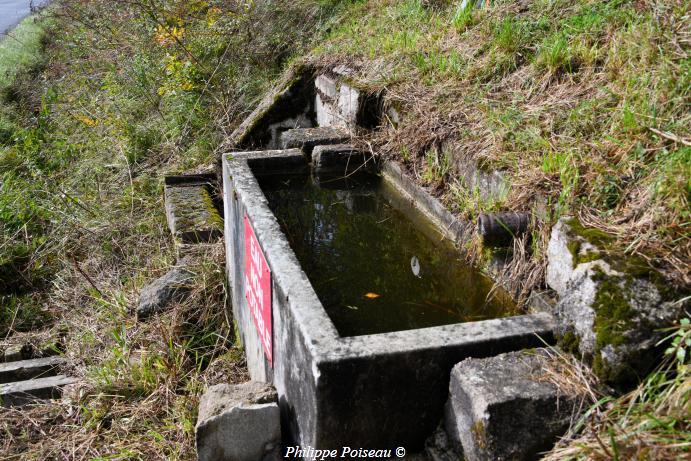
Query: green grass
(464, 16)
(22, 217)
(21, 48)
(437, 166)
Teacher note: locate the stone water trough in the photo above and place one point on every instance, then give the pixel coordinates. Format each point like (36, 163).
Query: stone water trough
(380, 390)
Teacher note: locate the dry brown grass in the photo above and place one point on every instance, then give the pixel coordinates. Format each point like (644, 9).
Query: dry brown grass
(650, 423)
(138, 393)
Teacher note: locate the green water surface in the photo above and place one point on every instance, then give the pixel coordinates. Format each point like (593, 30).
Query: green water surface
(376, 263)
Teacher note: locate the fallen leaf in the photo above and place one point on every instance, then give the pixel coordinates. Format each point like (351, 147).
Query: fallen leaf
(371, 295)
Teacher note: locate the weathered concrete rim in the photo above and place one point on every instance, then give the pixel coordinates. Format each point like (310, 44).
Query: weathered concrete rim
(321, 336)
(285, 268)
(450, 226)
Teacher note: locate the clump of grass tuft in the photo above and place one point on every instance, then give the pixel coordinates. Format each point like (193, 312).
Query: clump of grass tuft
(463, 17)
(437, 167)
(508, 35)
(555, 56)
(471, 201)
(650, 422)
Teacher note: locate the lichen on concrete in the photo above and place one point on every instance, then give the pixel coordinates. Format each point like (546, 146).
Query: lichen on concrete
(612, 306)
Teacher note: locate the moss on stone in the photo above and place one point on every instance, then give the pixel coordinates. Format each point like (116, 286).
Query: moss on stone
(574, 247)
(589, 257)
(569, 342)
(636, 267)
(594, 236)
(621, 375)
(214, 216)
(613, 311)
(479, 434)
(614, 317)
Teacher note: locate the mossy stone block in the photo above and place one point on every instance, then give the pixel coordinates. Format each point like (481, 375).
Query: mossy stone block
(192, 215)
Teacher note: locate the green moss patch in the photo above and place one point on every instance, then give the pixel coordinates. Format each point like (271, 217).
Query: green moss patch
(569, 342)
(613, 312)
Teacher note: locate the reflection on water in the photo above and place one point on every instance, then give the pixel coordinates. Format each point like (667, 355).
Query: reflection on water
(374, 269)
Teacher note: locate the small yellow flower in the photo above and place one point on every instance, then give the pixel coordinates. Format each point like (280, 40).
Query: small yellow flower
(88, 121)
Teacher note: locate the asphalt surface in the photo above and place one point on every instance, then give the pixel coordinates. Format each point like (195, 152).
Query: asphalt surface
(13, 11)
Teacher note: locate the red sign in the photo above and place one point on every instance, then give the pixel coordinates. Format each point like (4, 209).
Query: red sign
(258, 289)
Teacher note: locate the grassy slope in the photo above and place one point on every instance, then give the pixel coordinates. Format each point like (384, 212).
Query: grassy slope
(22, 53)
(123, 94)
(585, 106)
(20, 49)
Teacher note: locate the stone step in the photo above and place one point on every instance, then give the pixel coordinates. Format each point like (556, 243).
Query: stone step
(341, 159)
(25, 392)
(308, 138)
(26, 369)
(17, 352)
(192, 215)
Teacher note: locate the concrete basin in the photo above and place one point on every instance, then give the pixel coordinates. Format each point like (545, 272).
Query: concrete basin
(378, 391)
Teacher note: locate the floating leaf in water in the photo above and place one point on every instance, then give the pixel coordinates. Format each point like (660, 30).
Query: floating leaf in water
(371, 295)
(415, 266)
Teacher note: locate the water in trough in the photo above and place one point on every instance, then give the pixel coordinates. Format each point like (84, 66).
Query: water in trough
(376, 263)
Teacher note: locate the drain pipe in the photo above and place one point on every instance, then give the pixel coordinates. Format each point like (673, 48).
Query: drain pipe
(499, 229)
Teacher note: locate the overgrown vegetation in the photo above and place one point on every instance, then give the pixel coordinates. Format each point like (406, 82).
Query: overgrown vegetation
(21, 216)
(583, 106)
(97, 105)
(651, 422)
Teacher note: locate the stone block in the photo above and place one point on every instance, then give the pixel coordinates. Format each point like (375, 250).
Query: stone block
(500, 409)
(614, 320)
(341, 159)
(327, 87)
(239, 423)
(349, 101)
(27, 369)
(159, 294)
(567, 247)
(25, 392)
(308, 138)
(612, 307)
(192, 215)
(438, 447)
(18, 352)
(326, 112)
